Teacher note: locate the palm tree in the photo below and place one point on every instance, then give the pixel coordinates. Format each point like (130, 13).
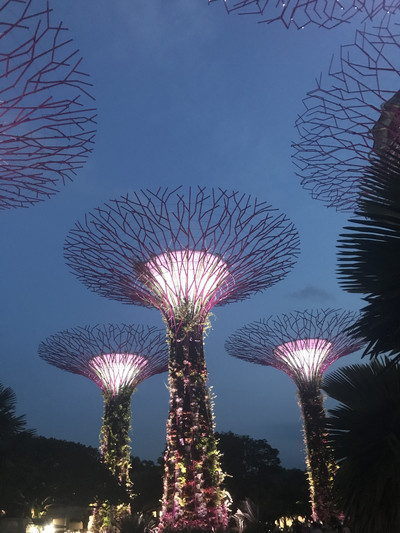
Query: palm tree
(10, 425)
(364, 431)
(369, 256)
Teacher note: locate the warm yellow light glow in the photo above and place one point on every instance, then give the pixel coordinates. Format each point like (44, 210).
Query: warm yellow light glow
(31, 528)
(91, 522)
(287, 521)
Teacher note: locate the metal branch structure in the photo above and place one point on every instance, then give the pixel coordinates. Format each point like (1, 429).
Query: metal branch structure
(47, 119)
(303, 345)
(184, 251)
(117, 358)
(351, 115)
(301, 13)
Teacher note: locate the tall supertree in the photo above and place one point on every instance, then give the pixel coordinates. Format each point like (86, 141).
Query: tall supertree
(183, 252)
(47, 120)
(350, 116)
(117, 358)
(301, 13)
(303, 345)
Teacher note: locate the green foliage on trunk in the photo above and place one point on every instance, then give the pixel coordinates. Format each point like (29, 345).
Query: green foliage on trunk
(319, 458)
(115, 454)
(193, 496)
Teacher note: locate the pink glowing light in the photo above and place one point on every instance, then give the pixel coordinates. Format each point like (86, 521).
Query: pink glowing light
(305, 356)
(187, 277)
(115, 371)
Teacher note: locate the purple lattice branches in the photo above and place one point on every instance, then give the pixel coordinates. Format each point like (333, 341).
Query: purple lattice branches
(243, 7)
(300, 13)
(342, 124)
(115, 357)
(301, 344)
(46, 117)
(182, 251)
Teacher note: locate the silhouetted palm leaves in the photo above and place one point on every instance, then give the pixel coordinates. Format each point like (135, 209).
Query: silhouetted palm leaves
(365, 434)
(369, 256)
(10, 424)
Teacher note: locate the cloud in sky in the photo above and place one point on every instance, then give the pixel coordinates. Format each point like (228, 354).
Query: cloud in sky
(311, 293)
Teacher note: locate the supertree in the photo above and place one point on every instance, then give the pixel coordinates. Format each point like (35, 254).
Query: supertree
(303, 345)
(343, 125)
(117, 358)
(183, 252)
(46, 116)
(300, 13)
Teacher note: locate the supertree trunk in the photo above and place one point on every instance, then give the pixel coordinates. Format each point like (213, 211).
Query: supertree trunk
(193, 497)
(320, 464)
(115, 454)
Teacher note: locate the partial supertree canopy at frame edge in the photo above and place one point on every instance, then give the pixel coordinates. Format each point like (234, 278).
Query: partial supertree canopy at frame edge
(47, 119)
(303, 345)
(117, 358)
(184, 251)
(350, 115)
(301, 13)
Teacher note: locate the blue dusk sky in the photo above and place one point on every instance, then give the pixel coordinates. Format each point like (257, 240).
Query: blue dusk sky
(186, 94)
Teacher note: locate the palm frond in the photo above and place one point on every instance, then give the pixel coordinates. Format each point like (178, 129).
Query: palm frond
(364, 432)
(369, 256)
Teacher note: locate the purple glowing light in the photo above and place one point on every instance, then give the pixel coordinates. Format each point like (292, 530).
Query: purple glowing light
(158, 249)
(186, 277)
(305, 356)
(116, 371)
(112, 356)
(301, 344)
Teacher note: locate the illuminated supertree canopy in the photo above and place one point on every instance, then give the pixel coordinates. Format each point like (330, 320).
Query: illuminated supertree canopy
(300, 13)
(303, 345)
(349, 116)
(183, 252)
(47, 123)
(117, 358)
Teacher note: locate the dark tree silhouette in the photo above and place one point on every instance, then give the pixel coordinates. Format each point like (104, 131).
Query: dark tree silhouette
(365, 434)
(10, 424)
(147, 479)
(42, 472)
(254, 473)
